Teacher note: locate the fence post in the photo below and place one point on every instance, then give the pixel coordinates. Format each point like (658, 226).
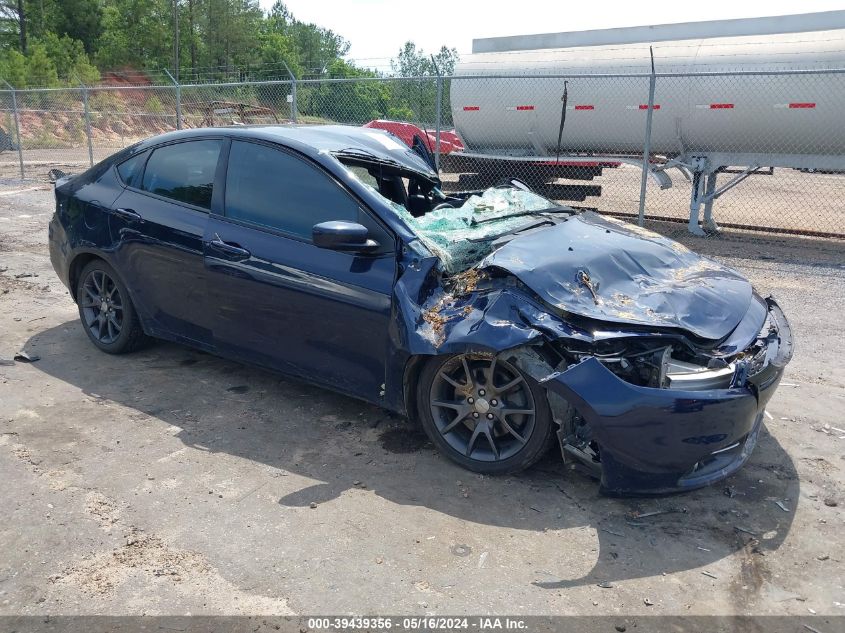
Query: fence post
(439, 116)
(293, 109)
(178, 87)
(17, 127)
(87, 124)
(647, 143)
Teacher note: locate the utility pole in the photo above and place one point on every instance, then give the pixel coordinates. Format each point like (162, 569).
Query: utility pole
(22, 24)
(176, 40)
(192, 41)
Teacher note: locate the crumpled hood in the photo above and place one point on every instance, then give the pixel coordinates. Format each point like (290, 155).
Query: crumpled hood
(638, 277)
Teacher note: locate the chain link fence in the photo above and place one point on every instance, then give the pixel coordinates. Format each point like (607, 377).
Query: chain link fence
(738, 151)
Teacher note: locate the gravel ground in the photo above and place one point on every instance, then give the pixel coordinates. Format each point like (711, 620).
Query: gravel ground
(172, 482)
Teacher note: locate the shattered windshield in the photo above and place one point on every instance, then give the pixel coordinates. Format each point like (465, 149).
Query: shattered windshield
(462, 236)
(460, 228)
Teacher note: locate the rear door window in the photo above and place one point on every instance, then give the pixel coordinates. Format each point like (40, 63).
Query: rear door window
(184, 171)
(270, 187)
(130, 170)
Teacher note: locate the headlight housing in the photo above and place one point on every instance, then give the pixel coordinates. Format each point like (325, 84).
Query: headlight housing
(656, 367)
(679, 374)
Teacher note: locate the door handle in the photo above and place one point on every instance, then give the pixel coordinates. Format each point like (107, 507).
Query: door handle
(228, 248)
(129, 214)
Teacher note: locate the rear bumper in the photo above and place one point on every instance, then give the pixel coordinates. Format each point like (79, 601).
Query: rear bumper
(59, 250)
(655, 441)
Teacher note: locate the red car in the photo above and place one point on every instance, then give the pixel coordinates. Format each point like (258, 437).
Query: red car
(449, 140)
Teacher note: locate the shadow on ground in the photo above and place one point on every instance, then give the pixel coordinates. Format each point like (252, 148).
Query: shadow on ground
(225, 407)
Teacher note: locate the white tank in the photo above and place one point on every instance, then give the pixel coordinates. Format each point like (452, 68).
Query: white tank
(783, 114)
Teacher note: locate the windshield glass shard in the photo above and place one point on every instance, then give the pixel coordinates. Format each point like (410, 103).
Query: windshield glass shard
(459, 228)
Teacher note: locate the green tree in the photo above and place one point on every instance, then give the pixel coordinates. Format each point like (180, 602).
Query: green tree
(13, 68)
(276, 53)
(279, 18)
(13, 23)
(136, 33)
(420, 97)
(40, 69)
(191, 34)
(67, 40)
(34, 19)
(353, 102)
(229, 31)
(80, 20)
(42, 17)
(315, 47)
(415, 62)
(69, 57)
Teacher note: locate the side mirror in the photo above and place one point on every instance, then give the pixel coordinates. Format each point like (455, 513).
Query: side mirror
(343, 236)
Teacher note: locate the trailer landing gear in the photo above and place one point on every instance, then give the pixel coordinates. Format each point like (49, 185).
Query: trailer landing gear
(704, 192)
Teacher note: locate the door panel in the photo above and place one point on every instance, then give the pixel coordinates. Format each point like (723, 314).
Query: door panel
(158, 225)
(160, 256)
(317, 314)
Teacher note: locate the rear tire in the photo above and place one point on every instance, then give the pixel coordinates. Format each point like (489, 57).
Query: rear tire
(484, 413)
(106, 311)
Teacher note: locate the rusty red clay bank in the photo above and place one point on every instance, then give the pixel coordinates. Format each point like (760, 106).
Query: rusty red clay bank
(500, 321)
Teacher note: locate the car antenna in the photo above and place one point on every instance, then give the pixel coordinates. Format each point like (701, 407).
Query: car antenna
(564, 99)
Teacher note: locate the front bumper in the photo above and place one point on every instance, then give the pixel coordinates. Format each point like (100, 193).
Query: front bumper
(655, 441)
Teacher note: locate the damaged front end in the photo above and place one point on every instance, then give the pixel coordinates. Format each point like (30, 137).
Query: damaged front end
(687, 426)
(657, 363)
(647, 412)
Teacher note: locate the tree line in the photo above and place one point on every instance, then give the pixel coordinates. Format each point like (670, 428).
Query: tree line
(49, 43)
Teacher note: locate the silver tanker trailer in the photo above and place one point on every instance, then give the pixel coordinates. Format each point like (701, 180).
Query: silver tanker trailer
(540, 108)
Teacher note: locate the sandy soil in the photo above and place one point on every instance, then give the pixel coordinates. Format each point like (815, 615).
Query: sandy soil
(170, 481)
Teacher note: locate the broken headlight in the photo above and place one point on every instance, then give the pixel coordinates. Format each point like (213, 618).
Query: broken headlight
(658, 368)
(678, 374)
(644, 368)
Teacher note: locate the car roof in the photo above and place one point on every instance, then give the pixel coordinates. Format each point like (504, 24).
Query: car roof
(312, 139)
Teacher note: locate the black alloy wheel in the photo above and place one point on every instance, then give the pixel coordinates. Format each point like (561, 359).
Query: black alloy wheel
(101, 307)
(106, 311)
(485, 413)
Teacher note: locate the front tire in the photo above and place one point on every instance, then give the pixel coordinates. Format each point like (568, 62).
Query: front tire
(106, 311)
(484, 413)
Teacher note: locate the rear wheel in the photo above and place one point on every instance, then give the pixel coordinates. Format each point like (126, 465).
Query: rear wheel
(106, 312)
(484, 413)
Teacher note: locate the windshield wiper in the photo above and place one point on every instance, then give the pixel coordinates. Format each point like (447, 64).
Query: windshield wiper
(518, 229)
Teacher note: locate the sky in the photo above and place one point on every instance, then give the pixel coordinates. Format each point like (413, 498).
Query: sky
(378, 28)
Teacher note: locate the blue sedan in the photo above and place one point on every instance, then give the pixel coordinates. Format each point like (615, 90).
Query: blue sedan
(500, 321)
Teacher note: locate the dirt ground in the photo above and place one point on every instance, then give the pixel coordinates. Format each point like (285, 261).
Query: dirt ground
(173, 482)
